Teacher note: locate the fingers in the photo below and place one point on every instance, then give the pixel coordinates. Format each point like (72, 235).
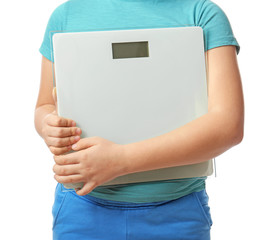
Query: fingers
(63, 131)
(66, 159)
(59, 133)
(59, 138)
(86, 142)
(65, 170)
(87, 188)
(68, 179)
(59, 150)
(59, 146)
(54, 95)
(57, 121)
(61, 142)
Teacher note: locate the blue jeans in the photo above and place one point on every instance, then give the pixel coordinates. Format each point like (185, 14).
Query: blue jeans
(89, 218)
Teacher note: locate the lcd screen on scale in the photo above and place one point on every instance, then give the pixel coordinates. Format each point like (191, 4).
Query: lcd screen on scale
(130, 50)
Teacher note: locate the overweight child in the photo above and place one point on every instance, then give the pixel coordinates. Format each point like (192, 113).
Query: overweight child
(175, 209)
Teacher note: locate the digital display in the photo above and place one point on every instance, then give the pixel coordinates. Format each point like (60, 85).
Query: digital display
(130, 49)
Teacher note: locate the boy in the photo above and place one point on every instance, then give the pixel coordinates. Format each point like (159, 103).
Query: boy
(172, 209)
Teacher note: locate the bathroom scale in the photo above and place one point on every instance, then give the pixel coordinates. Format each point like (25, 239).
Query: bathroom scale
(129, 85)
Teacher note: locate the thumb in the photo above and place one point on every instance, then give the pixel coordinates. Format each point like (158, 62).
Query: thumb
(84, 143)
(54, 95)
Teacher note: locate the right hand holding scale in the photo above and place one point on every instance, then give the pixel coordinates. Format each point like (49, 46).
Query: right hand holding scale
(59, 133)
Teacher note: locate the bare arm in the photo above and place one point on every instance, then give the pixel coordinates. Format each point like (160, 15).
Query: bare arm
(203, 138)
(58, 133)
(45, 103)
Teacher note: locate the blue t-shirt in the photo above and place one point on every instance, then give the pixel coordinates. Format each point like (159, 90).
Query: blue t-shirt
(84, 15)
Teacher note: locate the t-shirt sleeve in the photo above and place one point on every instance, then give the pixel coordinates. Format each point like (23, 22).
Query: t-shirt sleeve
(216, 26)
(55, 24)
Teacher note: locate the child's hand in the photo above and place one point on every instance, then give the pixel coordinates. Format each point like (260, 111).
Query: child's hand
(59, 133)
(95, 161)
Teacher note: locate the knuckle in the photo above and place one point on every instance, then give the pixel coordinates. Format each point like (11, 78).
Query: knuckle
(60, 131)
(69, 122)
(52, 149)
(56, 177)
(58, 121)
(62, 161)
(59, 151)
(54, 168)
(71, 140)
(56, 159)
(62, 171)
(58, 142)
(73, 130)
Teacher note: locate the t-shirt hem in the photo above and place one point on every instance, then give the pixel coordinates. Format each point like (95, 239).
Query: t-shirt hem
(225, 43)
(145, 199)
(45, 52)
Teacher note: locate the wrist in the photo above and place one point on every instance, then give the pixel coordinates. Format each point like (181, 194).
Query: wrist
(124, 159)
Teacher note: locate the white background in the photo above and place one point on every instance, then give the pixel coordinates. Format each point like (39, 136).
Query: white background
(243, 196)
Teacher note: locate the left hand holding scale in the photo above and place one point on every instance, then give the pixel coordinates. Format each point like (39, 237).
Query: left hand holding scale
(95, 161)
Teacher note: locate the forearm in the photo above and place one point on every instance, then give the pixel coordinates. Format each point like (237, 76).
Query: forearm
(197, 141)
(40, 113)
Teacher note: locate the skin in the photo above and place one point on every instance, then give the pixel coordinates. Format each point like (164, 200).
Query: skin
(97, 160)
(58, 133)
